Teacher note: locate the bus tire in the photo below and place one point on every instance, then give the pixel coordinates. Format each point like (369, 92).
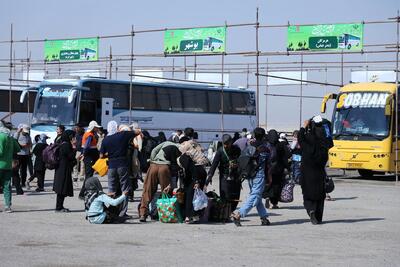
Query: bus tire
(349, 46)
(366, 173)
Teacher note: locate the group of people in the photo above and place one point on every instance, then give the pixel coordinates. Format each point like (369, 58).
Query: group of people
(174, 164)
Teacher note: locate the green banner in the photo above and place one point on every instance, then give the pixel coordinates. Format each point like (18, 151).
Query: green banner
(72, 50)
(326, 37)
(200, 40)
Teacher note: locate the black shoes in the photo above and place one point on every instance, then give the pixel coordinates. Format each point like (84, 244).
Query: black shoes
(63, 210)
(313, 218)
(265, 221)
(142, 218)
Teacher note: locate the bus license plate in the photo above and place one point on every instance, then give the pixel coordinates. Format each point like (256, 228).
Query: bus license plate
(354, 165)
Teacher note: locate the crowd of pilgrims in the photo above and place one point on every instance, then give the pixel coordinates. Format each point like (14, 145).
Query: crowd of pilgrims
(171, 165)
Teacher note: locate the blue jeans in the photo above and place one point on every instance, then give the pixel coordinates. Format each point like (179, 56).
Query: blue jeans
(296, 171)
(254, 199)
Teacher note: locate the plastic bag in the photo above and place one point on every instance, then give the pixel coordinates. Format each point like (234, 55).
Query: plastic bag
(101, 166)
(166, 207)
(200, 200)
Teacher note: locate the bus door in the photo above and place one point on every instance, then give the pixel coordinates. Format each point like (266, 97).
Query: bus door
(87, 111)
(106, 110)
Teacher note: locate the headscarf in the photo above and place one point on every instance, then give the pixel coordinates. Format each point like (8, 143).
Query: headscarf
(135, 126)
(273, 136)
(93, 189)
(42, 139)
(112, 127)
(93, 184)
(226, 139)
(67, 136)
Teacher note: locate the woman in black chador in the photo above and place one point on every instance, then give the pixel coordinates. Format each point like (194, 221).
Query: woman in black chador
(63, 173)
(314, 158)
(229, 180)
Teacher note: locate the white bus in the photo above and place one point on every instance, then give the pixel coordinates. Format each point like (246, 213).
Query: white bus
(155, 106)
(211, 43)
(20, 112)
(348, 41)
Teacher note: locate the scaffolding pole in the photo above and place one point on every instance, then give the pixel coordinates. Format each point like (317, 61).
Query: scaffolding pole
(222, 94)
(131, 77)
(10, 78)
(397, 97)
(257, 77)
(301, 92)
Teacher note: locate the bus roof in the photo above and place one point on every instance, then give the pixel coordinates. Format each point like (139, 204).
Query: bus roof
(369, 87)
(182, 85)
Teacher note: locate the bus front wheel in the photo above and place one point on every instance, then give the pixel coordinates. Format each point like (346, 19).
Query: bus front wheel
(366, 173)
(349, 46)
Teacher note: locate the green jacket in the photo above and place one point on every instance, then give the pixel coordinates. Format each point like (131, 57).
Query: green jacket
(8, 148)
(157, 154)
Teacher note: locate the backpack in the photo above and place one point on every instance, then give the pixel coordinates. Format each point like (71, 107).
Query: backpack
(322, 132)
(51, 156)
(326, 138)
(248, 163)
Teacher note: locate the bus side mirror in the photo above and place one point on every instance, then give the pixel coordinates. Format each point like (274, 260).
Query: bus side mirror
(326, 98)
(72, 96)
(388, 106)
(25, 92)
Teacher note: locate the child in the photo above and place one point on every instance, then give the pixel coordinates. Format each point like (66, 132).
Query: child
(39, 167)
(96, 200)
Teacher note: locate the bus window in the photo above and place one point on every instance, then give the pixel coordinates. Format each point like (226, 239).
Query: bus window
(214, 101)
(195, 101)
(163, 99)
(116, 91)
(176, 99)
(87, 112)
(144, 97)
(227, 102)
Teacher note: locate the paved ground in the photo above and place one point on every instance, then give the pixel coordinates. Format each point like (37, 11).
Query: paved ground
(361, 228)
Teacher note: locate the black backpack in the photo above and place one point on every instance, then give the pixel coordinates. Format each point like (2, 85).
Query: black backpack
(248, 163)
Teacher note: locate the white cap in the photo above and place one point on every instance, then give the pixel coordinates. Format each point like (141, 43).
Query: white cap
(25, 128)
(92, 125)
(317, 119)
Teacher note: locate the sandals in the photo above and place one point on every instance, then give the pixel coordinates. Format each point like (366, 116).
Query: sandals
(236, 219)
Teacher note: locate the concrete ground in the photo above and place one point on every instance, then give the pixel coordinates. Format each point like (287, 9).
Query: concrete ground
(361, 228)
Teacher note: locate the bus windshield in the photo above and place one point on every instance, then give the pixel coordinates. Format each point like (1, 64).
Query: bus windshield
(53, 107)
(365, 120)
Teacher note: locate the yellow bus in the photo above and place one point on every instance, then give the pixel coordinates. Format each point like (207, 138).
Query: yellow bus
(363, 128)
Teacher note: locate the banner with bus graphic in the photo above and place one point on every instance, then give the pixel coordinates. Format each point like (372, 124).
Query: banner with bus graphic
(198, 40)
(326, 37)
(85, 49)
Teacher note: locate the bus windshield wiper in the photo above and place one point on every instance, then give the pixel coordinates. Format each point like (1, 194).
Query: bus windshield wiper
(375, 136)
(344, 134)
(44, 123)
